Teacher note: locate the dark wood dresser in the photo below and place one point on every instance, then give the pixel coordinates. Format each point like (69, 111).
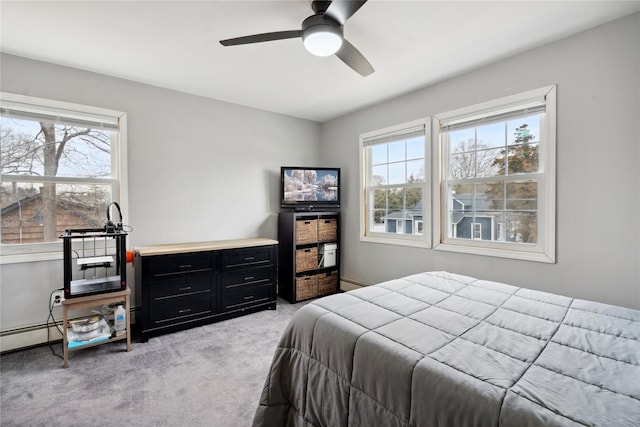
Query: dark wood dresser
(192, 284)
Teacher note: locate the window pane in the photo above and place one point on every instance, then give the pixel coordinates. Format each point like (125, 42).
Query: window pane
(462, 165)
(396, 210)
(522, 195)
(461, 195)
(415, 148)
(491, 135)
(490, 196)
(378, 203)
(378, 154)
(413, 199)
(18, 152)
(49, 149)
(378, 175)
(397, 174)
(481, 207)
(415, 171)
(397, 151)
(523, 159)
(40, 212)
(462, 140)
(522, 227)
(487, 162)
(523, 129)
(376, 221)
(395, 198)
(379, 199)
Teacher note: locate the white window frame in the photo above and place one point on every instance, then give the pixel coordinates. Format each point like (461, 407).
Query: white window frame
(30, 252)
(416, 240)
(545, 248)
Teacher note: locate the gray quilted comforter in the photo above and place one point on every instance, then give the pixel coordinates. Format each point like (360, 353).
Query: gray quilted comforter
(439, 349)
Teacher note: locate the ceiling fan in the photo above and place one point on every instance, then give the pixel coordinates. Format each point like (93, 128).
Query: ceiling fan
(321, 33)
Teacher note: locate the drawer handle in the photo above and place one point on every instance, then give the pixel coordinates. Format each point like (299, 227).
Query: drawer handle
(186, 288)
(307, 250)
(307, 222)
(185, 266)
(248, 278)
(186, 310)
(249, 258)
(249, 297)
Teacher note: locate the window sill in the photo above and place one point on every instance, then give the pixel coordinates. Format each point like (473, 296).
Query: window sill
(494, 252)
(395, 241)
(32, 257)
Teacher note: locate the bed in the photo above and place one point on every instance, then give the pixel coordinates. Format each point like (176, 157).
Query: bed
(441, 349)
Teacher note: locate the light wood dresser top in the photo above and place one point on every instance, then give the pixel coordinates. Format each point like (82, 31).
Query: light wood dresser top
(176, 248)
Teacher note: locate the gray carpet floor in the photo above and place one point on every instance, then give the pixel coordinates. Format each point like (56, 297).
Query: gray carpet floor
(205, 376)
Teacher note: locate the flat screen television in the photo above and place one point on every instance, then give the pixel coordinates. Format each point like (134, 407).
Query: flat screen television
(309, 188)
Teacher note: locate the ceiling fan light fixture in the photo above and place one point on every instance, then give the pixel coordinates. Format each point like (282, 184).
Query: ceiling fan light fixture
(321, 33)
(322, 40)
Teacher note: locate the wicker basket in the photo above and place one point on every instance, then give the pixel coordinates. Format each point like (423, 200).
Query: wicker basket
(306, 287)
(328, 283)
(306, 231)
(306, 259)
(327, 229)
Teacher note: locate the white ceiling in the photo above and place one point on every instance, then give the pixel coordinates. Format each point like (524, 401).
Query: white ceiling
(174, 44)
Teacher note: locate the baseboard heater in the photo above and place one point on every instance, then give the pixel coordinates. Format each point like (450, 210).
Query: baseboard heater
(36, 335)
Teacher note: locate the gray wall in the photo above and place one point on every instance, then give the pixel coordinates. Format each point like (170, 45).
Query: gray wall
(598, 163)
(199, 169)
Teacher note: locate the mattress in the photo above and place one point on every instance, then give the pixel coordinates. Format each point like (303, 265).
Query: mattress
(440, 349)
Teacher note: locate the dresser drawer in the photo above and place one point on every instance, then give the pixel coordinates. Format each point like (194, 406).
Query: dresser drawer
(247, 257)
(246, 296)
(247, 277)
(180, 263)
(181, 309)
(187, 284)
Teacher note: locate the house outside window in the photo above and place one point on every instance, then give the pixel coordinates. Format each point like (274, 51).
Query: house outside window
(395, 184)
(497, 177)
(62, 166)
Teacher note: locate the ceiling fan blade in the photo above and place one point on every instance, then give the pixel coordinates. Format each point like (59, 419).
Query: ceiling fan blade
(259, 38)
(354, 59)
(341, 10)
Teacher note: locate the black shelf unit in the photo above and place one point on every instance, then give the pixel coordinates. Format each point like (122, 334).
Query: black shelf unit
(309, 247)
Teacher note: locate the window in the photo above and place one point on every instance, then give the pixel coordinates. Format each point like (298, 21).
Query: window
(477, 230)
(395, 185)
(497, 177)
(62, 165)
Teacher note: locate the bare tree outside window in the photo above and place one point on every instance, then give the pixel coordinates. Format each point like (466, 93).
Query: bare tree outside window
(54, 176)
